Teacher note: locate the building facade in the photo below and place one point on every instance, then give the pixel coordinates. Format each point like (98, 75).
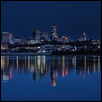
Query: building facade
(32, 41)
(5, 37)
(18, 40)
(84, 36)
(53, 32)
(36, 34)
(44, 36)
(10, 36)
(79, 39)
(64, 39)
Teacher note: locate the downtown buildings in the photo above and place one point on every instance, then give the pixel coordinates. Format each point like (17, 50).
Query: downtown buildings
(39, 42)
(4, 37)
(53, 32)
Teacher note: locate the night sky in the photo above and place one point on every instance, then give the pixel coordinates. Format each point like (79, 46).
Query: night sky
(72, 18)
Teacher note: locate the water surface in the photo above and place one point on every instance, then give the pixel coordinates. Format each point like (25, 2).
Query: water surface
(51, 78)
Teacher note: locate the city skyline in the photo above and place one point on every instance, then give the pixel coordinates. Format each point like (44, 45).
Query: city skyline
(37, 34)
(72, 18)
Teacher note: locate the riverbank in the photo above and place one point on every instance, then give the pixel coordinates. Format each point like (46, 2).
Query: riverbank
(76, 53)
(18, 54)
(31, 54)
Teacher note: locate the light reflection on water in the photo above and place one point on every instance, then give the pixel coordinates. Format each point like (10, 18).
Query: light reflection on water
(53, 67)
(40, 65)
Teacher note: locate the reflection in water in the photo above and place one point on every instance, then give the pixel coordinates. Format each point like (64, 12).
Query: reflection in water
(29, 63)
(63, 68)
(75, 62)
(25, 62)
(84, 71)
(7, 61)
(94, 66)
(88, 69)
(17, 62)
(40, 66)
(3, 62)
(85, 63)
(98, 63)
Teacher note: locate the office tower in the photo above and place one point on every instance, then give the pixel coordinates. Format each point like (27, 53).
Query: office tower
(44, 36)
(84, 36)
(36, 34)
(5, 37)
(18, 40)
(10, 36)
(79, 39)
(53, 32)
(64, 39)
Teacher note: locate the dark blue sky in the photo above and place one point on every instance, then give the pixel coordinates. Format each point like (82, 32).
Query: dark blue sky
(72, 18)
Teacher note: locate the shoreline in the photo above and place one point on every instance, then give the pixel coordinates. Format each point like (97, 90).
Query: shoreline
(13, 54)
(18, 54)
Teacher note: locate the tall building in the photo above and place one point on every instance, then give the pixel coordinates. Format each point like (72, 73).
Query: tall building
(44, 36)
(79, 39)
(53, 32)
(18, 40)
(84, 36)
(36, 34)
(10, 36)
(5, 37)
(64, 39)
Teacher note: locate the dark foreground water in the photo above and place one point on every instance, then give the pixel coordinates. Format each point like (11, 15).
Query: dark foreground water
(51, 78)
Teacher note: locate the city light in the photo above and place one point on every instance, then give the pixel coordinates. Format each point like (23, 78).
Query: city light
(84, 33)
(10, 34)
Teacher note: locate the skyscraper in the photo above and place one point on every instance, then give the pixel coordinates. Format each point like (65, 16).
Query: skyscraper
(84, 36)
(44, 36)
(5, 37)
(53, 32)
(10, 36)
(36, 34)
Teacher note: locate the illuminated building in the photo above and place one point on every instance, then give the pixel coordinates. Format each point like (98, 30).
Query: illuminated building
(64, 39)
(98, 46)
(36, 34)
(55, 38)
(32, 41)
(75, 48)
(18, 40)
(84, 36)
(5, 37)
(10, 36)
(44, 36)
(79, 39)
(4, 46)
(53, 32)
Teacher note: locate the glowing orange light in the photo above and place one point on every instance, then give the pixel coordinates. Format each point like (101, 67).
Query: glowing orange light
(66, 72)
(11, 73)
(84, 33)
(10, 34)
